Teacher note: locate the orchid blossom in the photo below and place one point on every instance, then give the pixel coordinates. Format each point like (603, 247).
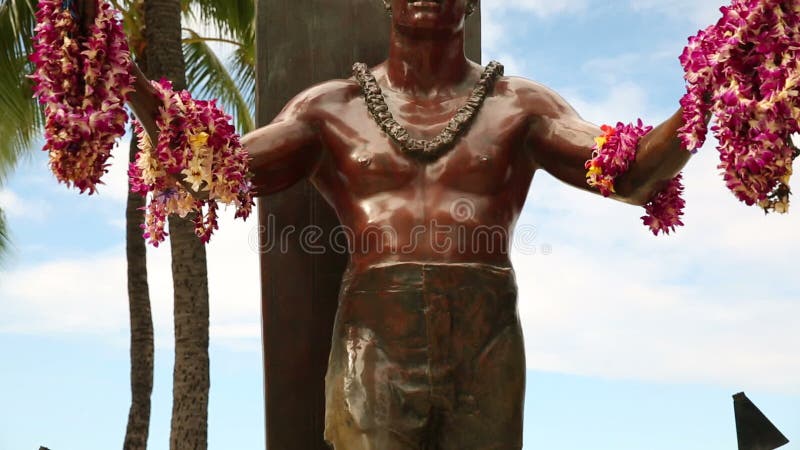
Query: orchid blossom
(198, 145)
(83, 82)
(613, 153)
(745, 72)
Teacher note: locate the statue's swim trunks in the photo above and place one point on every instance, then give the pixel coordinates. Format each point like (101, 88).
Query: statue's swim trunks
(426, 356)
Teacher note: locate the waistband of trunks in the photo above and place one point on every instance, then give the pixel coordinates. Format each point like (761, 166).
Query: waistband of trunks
(411, 276)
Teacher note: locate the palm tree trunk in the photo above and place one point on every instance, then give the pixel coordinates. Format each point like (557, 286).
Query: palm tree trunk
(141, 322)
(164, 57)
(191, 374)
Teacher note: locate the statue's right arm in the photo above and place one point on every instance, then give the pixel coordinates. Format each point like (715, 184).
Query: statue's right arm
(144, 102)
(288, 149)
(281, 153)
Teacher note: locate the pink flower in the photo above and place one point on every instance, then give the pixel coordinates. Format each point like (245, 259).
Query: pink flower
(614, 151)
(745, 72)
(196, 142)
(83, 82)
(665, 209)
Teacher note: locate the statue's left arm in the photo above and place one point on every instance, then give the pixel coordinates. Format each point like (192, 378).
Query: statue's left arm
(561, 142)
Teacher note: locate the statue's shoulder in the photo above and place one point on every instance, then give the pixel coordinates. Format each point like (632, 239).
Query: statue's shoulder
(328, 94)
(533, 96)
(520, 87)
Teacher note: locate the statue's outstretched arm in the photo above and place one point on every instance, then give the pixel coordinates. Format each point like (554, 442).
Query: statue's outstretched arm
(285, 151)
(561, 142)
(144, 102)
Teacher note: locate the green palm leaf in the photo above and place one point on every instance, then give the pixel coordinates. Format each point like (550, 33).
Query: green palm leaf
(233, 18)
(22, 115)
(208, 77)
(243, 64)
(17, 20)
(3, 235)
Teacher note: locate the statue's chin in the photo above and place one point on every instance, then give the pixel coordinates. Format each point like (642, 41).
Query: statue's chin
(437, 22)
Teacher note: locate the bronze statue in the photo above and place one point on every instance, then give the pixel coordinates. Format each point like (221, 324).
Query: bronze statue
(427, 346)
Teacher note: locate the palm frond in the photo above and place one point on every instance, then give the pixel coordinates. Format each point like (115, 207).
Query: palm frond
(232, 18)
(243, 66)
(3, 235)
(22, 115)
(17, 20)
(208, 77)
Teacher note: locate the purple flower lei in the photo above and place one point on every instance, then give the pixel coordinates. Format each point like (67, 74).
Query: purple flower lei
(745, 72)
(613, 153)
(82, 81)
(197, 143)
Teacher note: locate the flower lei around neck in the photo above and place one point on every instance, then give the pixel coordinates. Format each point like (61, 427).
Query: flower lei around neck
(426, 150)
(83, 82)
(744, 71)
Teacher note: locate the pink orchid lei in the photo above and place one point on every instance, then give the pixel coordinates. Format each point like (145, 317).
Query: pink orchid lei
(745, 71)
(83, 82)
(197, 143)
(613, 153)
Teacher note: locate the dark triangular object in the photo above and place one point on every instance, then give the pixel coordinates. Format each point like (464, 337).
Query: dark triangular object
(754, 430)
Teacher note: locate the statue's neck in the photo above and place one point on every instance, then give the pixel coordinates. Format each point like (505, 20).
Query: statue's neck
(425, 64)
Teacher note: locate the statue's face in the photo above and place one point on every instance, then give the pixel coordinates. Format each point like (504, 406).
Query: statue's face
(429, 15)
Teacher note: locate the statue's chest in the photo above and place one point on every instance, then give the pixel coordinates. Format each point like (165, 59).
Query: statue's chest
(367, 160)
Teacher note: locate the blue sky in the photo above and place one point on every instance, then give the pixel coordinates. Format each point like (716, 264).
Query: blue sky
(633, 342)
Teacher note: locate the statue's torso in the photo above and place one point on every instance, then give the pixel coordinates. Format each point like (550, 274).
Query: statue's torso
(460, 208)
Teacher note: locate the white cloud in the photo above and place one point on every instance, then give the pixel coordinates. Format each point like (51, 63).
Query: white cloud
(699, 12)
(624, 102)
(115, 182)
(615, 317)
(88, 294)
(24, 208)
(493, 12)
(540, 8)
(65, 296)
(512, 65)
(624, 66)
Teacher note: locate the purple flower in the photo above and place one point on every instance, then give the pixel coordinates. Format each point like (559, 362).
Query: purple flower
(197, 143)
(747, 64)
(82, 83)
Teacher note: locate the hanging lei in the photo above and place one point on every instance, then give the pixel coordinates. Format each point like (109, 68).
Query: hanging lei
(745, 72)
(198, 144)
(83, 82)
(426, 150)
